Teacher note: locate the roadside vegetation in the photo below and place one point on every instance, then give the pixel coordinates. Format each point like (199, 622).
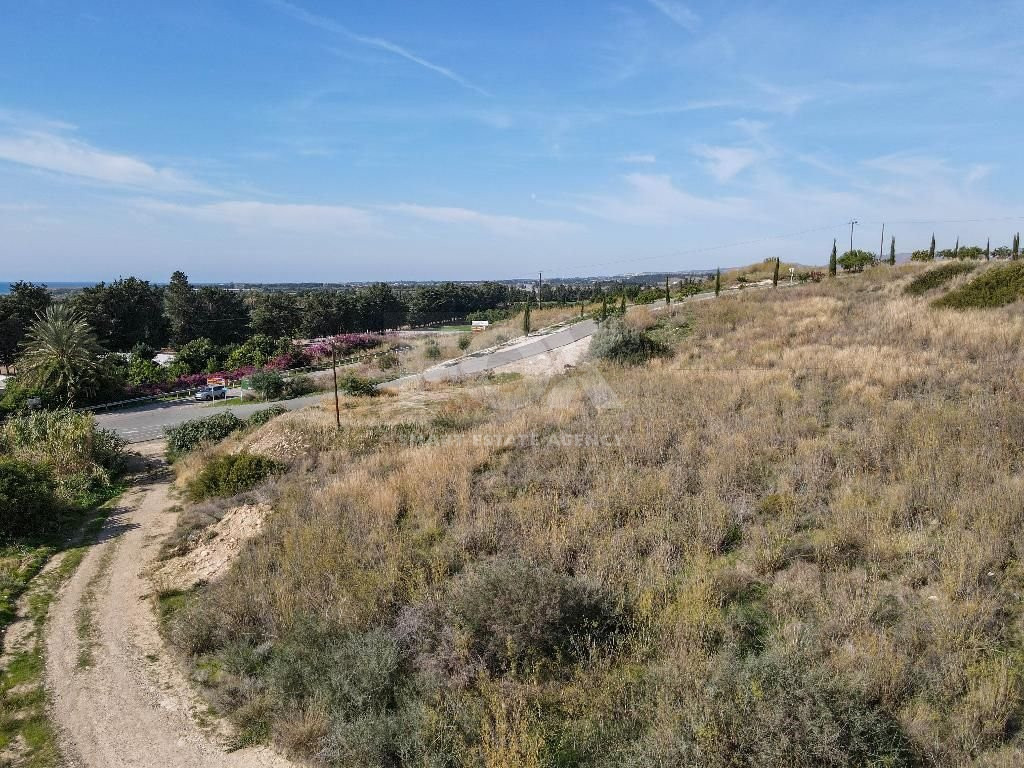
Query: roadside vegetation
(784, 544)
(995, 287)
(191, 435)
(59, 475)
(231, 474)
(937, 277)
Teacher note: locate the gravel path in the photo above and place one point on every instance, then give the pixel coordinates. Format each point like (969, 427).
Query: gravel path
(132, 706)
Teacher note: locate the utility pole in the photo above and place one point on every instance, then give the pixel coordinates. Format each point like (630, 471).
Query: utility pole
(334, 372)
(881, 244)
(853, 223)
(540, 290)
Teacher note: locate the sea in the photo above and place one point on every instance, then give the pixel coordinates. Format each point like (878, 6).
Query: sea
(5, 288)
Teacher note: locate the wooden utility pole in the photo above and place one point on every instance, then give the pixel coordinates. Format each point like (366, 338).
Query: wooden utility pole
(334, 372)
(540, 290)
(881, 244)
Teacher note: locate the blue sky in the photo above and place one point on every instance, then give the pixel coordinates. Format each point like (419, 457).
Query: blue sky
(314, 140)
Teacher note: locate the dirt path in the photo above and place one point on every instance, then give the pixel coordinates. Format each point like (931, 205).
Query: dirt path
(118, 700)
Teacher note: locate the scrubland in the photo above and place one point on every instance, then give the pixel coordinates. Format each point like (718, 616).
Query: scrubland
(793, 541)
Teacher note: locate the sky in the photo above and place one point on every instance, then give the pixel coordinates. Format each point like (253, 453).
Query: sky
(271, 140)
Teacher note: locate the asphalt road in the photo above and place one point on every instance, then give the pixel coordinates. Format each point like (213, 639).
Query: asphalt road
(138, 425)
(481, 362)
(147, 422)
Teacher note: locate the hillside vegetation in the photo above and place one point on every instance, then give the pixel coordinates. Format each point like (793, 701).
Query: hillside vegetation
(795, 541)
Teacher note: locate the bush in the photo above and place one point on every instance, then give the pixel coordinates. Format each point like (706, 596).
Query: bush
(28, 503)
(358, 386)
(388, 360)
(783, 709)
(270, 385)
(260, 418)
(230, 475)
(464, 341)
(855, 261)
(517, 615)
(188, 436)
(995, 287)
(933, 278)
(432, 350)
(617, 342)
(299, 385)
(81, 457)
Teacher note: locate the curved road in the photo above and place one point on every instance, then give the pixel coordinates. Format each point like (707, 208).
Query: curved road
(138, 425)
(147, 422)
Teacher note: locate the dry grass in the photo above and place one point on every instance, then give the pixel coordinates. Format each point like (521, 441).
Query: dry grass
(806, 525)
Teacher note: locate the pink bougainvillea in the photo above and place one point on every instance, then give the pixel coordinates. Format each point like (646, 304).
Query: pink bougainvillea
(316, 352)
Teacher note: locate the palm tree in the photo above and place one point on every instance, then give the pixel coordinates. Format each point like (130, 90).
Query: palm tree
(60, 354)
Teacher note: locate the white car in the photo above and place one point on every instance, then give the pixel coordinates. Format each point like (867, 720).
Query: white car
(212, 393)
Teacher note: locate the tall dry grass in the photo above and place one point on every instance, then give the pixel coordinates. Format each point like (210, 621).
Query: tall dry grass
(805, 530)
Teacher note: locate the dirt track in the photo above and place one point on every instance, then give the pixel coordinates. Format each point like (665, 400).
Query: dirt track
(131, 706)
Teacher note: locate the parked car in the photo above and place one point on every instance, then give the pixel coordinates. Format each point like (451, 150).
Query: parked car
(212, 393)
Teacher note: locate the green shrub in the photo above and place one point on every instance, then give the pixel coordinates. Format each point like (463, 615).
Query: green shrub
(856, 260)
(432, 350)
(231, 474)
(388, 360)
(299, 385)
(995, 287)
(464, 341)
(28, 503)
(261, 417)
(517, 615)
(81, 456)
(357, 385)
(270, 385)
(617, 342)
(933, 278)
(188, 436)
(783, 709)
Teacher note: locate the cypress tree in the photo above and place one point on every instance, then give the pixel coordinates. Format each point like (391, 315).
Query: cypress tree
(604, 305)
(622, 305)
(668, 295)
(718, 281)
(526, 319)
(931, 249)
(956, 249)
(832, 261)
(988, 249)
(775, 274)
(892, 251)
(1016, 247)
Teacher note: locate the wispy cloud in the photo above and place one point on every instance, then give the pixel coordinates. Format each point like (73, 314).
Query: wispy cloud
(653, 199)
(57, 153)
(497, 223)
(639, 158)
(724, 163)
(329, 25)
(678, 13)
(251, 215)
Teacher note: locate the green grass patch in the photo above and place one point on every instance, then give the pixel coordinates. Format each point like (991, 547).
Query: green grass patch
(995, 287)
(169, 602)
(937, 277)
